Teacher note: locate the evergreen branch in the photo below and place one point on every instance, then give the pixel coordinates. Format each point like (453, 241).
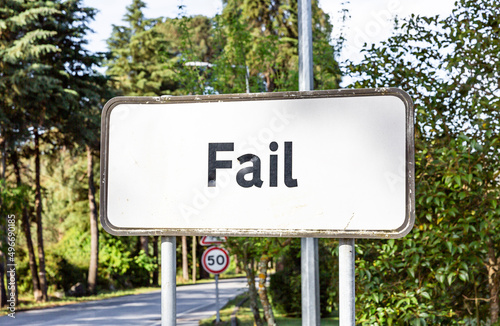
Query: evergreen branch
(25, 47)
(32, 15)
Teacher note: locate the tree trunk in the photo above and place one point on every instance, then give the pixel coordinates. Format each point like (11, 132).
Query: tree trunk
(144, 244)
(156, 274)
(264, 299)
(3, 292)
(37, 291)
(38, 210)
(94, 229)
(493, 267)
(193, 271)
(3, 289)
(252, 290)
(237, 268)
(25, 221)
(3, 144)
(185, 267)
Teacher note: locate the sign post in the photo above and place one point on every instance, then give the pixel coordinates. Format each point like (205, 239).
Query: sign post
(217, 315)
(215, 260)
(168, 281)
(310, 164)
(347, 316)
(309, 246)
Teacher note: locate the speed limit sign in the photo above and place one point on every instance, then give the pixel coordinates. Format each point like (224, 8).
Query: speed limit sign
(215, 260)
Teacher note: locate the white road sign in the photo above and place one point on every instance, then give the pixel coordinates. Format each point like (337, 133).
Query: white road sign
(209, 240)
(308, 164)
(215, 260)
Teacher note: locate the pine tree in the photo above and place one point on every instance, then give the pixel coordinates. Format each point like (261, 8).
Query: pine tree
(23, 40)
(136, 62)
(51, 74)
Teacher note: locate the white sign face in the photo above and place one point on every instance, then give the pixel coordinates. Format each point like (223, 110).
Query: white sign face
(323, 164)
(215, 260)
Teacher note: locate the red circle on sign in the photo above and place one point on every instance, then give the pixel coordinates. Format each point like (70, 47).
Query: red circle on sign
(215, 260)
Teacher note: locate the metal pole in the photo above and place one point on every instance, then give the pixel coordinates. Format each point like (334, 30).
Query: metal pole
(347, 316)
(217, 298)
(168, 268)
(310, 282)
(309, 246)
(247, 77)
(305, 46)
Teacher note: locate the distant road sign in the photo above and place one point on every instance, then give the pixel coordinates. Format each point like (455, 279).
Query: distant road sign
(209, 240)
(215, 260)
(336, 163)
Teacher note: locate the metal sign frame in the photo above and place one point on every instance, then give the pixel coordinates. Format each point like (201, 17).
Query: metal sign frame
(404, 229)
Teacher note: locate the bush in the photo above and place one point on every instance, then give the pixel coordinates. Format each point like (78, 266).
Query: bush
(61, 274)
(285, 285)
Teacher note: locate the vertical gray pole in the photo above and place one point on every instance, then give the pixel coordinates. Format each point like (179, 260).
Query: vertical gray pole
(309, 246)
(305, 46)
(247, 77)
(168, 269)
(217, 320)
(310, 282)
(347, 316)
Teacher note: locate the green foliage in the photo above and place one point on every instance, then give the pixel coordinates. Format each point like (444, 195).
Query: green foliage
(190, 39)
(13, 198)
(255, 36)
(120, 264)
(145, 262)
(285, 284)
(17, 16)
(61, 274)
(135, 64)
(114, 258)
(442, 270)
(49, 91)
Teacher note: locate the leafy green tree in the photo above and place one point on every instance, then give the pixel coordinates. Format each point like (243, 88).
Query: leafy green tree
(285, 282)
(263, 35)
(191, 41)
(16, 46)
(23, 42)
(256, 43)
(247, 253)
(51, 74)
(446, 271)
(136, 63)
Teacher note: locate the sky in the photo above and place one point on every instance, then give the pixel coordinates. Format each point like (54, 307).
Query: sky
(371, 21)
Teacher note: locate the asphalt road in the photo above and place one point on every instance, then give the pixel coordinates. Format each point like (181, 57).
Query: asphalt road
(194, 302)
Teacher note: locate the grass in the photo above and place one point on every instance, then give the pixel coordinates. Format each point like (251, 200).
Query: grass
(245, 318)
